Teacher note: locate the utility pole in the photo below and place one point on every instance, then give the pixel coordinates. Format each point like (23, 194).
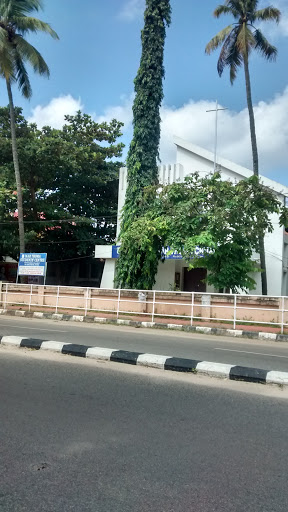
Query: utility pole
(216, 110)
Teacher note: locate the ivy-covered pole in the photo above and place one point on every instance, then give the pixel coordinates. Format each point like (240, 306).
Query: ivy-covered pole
(143, 155)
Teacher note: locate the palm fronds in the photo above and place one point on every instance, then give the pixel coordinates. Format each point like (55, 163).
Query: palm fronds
(22, 78)
(218, 39)
(13, 8)
(28, 53)
(240, 39)
(15, 51)
(268, 14)
(230, 55)
(263, 46)
(26, 24)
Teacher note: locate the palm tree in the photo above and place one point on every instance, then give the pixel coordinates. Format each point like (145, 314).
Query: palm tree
(237, 41)
(15, 52)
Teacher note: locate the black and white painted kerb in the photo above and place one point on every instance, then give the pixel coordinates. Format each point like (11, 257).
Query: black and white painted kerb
(175, 364)
(154, 325)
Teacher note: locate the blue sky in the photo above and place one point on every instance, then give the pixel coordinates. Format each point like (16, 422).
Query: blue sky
(94, 64)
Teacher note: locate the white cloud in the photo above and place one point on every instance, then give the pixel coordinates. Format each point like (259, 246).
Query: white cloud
(191, 122)
(271, 29)
(122, 112)
(53, 113)
(132, 9)
(283, 25)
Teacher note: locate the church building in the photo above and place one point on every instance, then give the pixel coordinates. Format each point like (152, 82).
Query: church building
(174, 273)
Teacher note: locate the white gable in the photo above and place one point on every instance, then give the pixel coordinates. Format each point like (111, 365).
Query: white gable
(194, 158)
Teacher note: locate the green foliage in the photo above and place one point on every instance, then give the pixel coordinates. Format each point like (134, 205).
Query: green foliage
(69, 185)
(140, 252)
(15, 50)
(144, 149)
(226, 218)
(240, 38)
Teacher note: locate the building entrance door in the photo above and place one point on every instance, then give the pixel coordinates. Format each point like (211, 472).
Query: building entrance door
(193, 279)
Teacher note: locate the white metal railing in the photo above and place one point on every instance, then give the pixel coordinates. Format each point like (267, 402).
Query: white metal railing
(186, 306)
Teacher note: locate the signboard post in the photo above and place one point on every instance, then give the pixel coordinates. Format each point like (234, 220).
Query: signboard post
(32, 264)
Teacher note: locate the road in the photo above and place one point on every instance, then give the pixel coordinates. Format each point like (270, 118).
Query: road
(258, 354)
(84, 437)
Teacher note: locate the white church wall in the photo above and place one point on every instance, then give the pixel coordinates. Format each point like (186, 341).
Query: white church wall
(165, 276)
(274, 246)
(196, 163)
(168, 174)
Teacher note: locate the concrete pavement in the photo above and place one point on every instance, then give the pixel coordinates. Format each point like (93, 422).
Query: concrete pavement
(83, 437)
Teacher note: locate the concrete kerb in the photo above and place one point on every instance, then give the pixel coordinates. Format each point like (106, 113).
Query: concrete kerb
(166, 363)
(151, 325)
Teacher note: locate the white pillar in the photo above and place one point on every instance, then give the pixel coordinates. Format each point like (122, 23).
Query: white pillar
(108, 276)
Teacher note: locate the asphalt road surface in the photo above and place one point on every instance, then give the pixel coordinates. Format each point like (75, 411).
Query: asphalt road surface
(85, 437)
(258, 354)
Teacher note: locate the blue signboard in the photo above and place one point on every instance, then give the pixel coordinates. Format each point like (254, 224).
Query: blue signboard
(115, 251)
(171, 255)
(33, 264)
(199, 252)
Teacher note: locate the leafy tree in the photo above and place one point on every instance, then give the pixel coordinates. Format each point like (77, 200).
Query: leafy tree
(70, 186)
(15, 52)
(237, 41)
(222, 218)
(143, 153)
(140, 252)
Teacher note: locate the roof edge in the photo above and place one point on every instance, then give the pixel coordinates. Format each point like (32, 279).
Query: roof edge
(238, 169)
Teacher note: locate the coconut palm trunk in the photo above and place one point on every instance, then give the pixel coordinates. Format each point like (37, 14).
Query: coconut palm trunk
(237, 40)
(16, 169)
(255, 167)
(15, 52)
(251, 117)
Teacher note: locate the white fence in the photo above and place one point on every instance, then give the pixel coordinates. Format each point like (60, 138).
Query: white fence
(188, 308)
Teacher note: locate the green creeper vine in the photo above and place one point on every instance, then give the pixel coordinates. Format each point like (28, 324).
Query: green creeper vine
(143, 153)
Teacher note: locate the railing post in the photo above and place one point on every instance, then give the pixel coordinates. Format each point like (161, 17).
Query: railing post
(5, 296)
(86, 301)
(192, 309)
(30, 298)
(57, 300)
(118, 302)
(153, 306)
(282, 316)
(235, 312)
